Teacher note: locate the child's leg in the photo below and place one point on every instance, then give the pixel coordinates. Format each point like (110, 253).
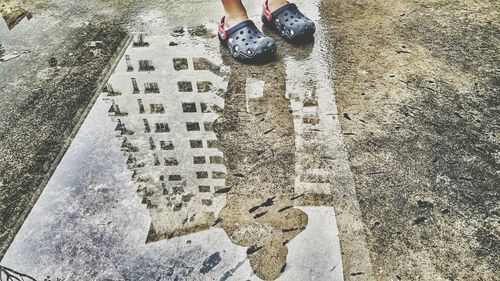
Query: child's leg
(275, 4)
(234, 12)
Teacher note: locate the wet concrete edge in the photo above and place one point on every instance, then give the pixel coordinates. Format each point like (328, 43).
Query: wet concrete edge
(106, 73)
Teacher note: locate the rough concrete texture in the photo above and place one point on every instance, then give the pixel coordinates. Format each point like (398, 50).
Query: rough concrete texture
(417, 86)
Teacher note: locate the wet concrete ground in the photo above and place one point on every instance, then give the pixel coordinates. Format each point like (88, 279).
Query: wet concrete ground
(418, 107)
(131, 201)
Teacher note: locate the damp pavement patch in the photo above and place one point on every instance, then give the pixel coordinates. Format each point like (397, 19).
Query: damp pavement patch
(191, 166)
(136, 195)
(417, 89)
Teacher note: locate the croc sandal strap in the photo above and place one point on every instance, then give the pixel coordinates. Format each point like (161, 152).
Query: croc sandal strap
(225, 34)
(266, 12)
(220, 29)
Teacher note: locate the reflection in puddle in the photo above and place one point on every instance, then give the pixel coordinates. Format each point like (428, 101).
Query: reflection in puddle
(165, 103)
(218, 157)
(254, 89)
(209, 153)
(258, 140)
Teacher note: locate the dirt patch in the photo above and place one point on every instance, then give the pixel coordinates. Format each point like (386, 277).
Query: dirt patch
(417, 86)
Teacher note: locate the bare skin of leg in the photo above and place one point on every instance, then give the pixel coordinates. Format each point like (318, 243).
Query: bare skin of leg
(235, 11)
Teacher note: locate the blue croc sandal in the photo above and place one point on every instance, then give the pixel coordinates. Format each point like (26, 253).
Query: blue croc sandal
(246, 42)
(289, 22)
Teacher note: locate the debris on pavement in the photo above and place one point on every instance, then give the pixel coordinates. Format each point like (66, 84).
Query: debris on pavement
(178, 31)
(94, 44)
(9, 56)
(14, 15)
(53, 62)
(11, 274)
(5, 56)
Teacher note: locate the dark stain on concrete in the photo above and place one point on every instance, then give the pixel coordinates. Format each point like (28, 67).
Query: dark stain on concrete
(211, 262)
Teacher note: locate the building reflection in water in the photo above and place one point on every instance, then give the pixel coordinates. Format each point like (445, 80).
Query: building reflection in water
(164, 102)
(237, 155)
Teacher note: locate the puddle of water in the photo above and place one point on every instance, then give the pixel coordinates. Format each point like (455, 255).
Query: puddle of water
(254, 90)
(165, 106)
(90, 223)
(138, 193)
(205, 170)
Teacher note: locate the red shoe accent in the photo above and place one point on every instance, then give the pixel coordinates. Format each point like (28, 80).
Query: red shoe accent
(266, 12)
(221, 30)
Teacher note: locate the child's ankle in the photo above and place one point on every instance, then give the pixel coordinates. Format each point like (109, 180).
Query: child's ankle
(276, 4)
(233, 19)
